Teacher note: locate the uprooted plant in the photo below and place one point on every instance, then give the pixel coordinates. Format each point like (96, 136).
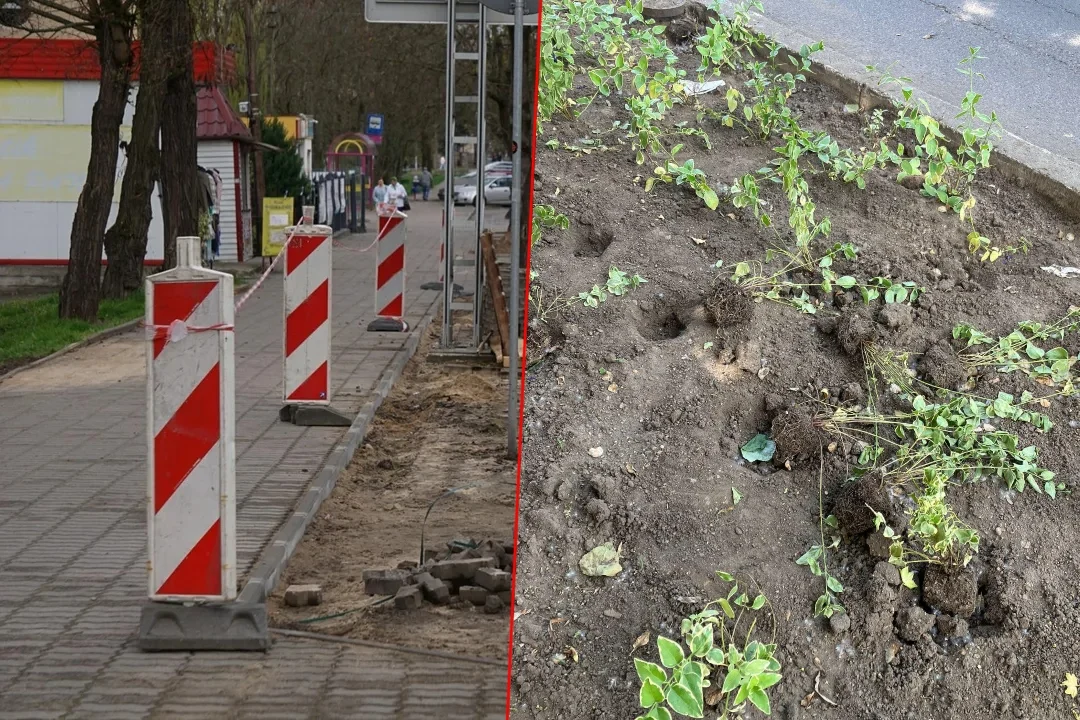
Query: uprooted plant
(753, 277)
(817, 558)
(618, 283)
(716, 651)
(1024, 350)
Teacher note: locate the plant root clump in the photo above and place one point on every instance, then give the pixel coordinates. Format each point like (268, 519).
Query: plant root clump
(853, 515)
(727, 305)
(950, 589)
(942, 368)
(795, 434)
(855, 330)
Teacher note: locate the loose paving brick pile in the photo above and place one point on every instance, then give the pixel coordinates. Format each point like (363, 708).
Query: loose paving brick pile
(466, 575)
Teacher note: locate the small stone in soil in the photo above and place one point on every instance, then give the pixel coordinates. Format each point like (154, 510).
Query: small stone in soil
(493, 604)
(840, 622)
(912, 623)
(613, 614)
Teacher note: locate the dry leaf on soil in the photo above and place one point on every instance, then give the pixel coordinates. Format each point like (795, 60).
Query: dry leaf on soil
(601, 561)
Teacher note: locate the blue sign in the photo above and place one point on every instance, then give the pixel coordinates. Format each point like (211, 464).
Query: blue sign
(374, 127)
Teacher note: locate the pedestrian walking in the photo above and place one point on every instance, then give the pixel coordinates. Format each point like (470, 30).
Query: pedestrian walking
(415, 186)
(381, 193)
(397, 195)
(425, 182)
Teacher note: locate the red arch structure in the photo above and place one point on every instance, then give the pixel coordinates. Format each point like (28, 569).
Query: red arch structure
(357, 147)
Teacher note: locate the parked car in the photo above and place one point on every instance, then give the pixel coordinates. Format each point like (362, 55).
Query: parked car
(497, 192)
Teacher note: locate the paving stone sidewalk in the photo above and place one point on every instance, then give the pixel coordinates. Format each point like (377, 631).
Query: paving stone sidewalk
(73, 528)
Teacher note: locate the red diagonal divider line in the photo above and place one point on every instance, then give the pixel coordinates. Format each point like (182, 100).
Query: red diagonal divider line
(299, 250)
(314, 387)
(190, 433)
(177, 301)
(307, 317)
(199, 573)
(391, 266)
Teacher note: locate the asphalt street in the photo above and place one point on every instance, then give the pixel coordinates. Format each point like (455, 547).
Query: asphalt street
(1032, 65)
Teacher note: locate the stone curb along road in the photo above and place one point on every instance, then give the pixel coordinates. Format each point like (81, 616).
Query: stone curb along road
(1057, 178)
(271, 564)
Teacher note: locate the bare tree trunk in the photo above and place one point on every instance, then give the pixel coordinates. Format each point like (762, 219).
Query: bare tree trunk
(81, 288)
(179, 172)
(125, 242)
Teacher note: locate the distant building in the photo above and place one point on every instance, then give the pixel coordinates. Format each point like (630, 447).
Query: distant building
(48, 87)
(301, 130)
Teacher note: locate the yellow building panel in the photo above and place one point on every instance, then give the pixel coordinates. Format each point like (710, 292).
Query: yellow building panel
(46, 163)
(30, 100)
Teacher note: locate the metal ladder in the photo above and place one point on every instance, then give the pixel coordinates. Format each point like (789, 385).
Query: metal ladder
(458, 236)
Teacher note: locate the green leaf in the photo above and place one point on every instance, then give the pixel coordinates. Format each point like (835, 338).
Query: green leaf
(847, 282)
(1058, 353)
(736, 496)
(755, 667)
(760, 700)
(716, 656)
(907, 577)
(732, 681)
(1051, 489)
(671, 652)
(709, 196)
(809, 556)
(650, 671)
(726, 577)
(727, 608)
(834, 584)
(765, 681)
(759, 449)
(650, 694)
(659, 712)
(683, 701)
(759, 602)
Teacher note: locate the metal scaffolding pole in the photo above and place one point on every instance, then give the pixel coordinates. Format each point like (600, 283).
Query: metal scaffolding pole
(448, 178)
(515, 238)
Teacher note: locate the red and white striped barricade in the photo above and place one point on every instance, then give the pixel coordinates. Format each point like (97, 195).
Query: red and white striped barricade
(390, 272)
(306, 352)
(190, 416)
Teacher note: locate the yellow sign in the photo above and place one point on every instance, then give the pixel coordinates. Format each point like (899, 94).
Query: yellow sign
(277, 215)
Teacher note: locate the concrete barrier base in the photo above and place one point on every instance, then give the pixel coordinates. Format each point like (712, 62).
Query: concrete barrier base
(227, 626)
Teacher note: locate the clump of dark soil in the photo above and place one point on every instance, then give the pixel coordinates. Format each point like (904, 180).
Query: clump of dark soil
(796, 435)
(941, 367)
(728, 306)
(950, 590)
(853, 503)
(855, 330)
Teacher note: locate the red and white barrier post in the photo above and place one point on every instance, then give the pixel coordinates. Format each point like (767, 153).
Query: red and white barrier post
(191, 463)
(390, 273)
(306, 369)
